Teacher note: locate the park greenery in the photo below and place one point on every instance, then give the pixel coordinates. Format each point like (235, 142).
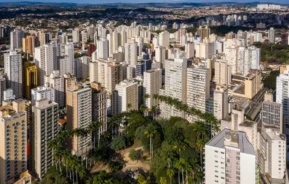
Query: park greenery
(274, 53)
(172, 147)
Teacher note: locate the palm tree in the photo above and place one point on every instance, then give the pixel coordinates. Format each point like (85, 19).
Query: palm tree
(150, 132)
(180, 165)
(170, 173)
(94, 127)
(163, 180)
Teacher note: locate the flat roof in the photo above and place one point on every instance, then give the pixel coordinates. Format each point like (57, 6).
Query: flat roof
(243, 143)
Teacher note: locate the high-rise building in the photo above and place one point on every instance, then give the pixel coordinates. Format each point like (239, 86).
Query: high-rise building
(198, 87)
(221, 106)
(130, 53)
(271, 35)
(56, 82)
(69, 52)
(272, 155)
(164, 39)
(75, 36)
(230, 158)
(2, 87)
(45, 58)
(30, 79)
(79, 114)
(29, 43)
(43, 38)
(13, 70)
(99, 107)
(190, 50)
(91, 49)
(152, 84)
(16, 39)
(222, 72)
(45, 128)
(203, 32)
(107, 73)
(42, 92)
(272, 113)
(160, 55)
(84, 36)
(102, 49)
(126, 96)
(13, 141)
(175, 85)
(82, 67)
(282, 97)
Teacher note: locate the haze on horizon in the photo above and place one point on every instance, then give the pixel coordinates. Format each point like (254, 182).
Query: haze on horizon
(146, 1)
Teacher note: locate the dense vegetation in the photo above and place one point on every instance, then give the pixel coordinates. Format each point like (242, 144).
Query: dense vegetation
(173, 147)
(270, 81)
(274, 53)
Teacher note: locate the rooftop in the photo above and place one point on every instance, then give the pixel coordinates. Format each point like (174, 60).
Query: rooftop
(239, 138)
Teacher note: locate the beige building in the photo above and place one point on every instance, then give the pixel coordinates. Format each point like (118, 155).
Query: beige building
(45, 128)
(203, 32)
(99, 108)
(13, 141)
(79, 113)
(253, 84)
(125, 96)
(152, 84)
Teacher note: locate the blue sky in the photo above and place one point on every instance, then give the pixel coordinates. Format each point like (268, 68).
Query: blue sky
(144, 1)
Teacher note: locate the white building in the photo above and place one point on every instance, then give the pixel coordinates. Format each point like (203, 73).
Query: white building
(45, 58)
(198, 87)
(221, 106)
(164, 39)
(127, 96)
(272, 157)
(42, 92)
(282, 97)
(152, 84)
(160, 55)
(130, 53)
(102, 49)
(13, 71)
(190, 50)
(16, 39)
(56, 82)
(75, 36)
(175, 85)
(45, 128)
(230, 158)
(271, 35)
(222, 72)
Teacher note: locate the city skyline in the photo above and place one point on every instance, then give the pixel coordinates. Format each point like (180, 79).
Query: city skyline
(149, 1)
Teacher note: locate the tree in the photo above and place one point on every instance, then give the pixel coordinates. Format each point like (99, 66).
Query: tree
(118, 143)
(135, 154)
(150, 132)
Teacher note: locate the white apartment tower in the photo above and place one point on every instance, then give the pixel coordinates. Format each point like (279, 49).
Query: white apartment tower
(221, 107)
(130, 53)
(151, 85)
(272, 157)
(102, 49)
(45, 58)
(230, 158)
(164, 39)
(42, 92)
(45, 128)
(13, 71)
(75, 36)
(16, 39)
(160, 55)
(127, 96)
(282, 97)
(222, 72)
(56, 82)
(175, 85)
(198, 87)
(271, 35)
